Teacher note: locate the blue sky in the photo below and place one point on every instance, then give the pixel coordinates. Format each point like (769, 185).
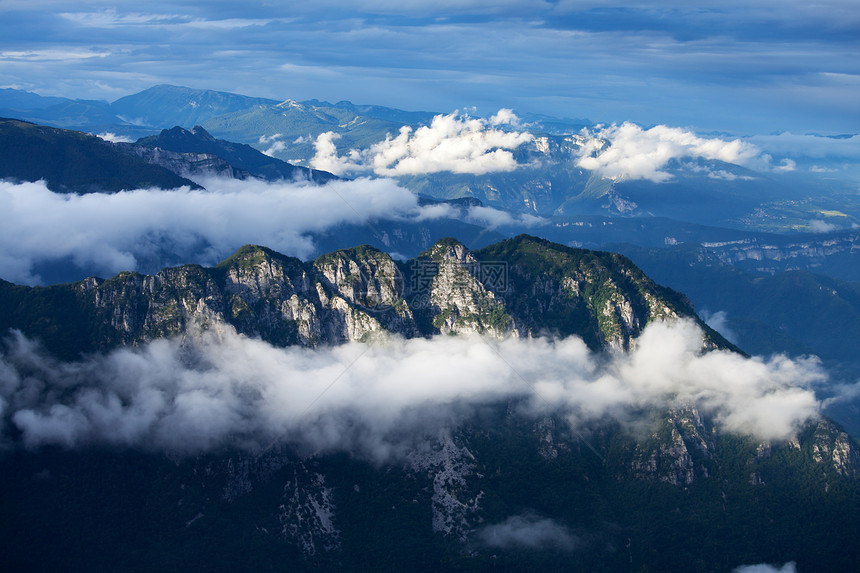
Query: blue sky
(744, 67)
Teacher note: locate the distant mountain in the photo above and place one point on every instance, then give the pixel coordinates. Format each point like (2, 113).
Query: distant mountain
(22, 100)
(164, 106)
(241, 156)
(74, 162)
(376, 111)
(297, 126)
(499, 489)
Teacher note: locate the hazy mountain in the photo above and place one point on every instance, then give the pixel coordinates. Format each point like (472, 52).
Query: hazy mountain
(164, 106)
(12, 99)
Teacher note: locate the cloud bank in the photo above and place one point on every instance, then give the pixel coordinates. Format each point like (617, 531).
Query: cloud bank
(627, 151)
(454, 142)
(113, 232)
(219, 388)
(810, 145)
(108, 233)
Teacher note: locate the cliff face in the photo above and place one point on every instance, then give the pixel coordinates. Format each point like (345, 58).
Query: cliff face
(520, 287)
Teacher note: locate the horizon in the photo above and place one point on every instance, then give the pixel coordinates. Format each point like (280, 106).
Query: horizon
(746, 68)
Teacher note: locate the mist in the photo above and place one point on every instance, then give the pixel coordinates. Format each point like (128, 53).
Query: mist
(218, 389)
(136, 230)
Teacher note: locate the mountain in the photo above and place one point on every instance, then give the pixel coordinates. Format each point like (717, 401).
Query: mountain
(243, 157)
(350, 294)
(12, 99)
(74, 162)
(163, 106)
(297, 125)
(71, 161)
(487, 489)
(376, 111)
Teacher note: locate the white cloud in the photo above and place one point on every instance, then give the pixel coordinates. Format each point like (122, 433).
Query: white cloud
(454, 142)
(375, 399)
(108, 233)
(114, 138)
(819, 226)
(274, 142)
(719, 322)
(146, 229)
(527, 531)
(785, 166)
(627, 151)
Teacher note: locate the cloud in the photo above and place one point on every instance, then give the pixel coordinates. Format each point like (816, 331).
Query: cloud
(627, 151)
(527, 531)
(719, 322)
(765, 568)
(274, 142)
(107, 233)
(59, 55)
(809, 145)
(114, 138)
(146, 229)
(453, 142)
(374, 399)
(819, 226)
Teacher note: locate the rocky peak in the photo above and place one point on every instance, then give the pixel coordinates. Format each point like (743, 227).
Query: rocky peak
(520, 287)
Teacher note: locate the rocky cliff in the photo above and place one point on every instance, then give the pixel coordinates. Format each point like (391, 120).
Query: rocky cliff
(520, 287)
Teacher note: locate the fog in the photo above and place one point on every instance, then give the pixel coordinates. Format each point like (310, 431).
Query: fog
(108, 233)
(374, 399)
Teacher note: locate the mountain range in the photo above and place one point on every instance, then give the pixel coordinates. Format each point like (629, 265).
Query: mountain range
(179, 414)
(497, 488)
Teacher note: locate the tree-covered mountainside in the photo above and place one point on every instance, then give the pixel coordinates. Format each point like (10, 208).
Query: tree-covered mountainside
(74, 162)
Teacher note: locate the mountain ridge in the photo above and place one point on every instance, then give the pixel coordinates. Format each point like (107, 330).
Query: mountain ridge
(350, 293)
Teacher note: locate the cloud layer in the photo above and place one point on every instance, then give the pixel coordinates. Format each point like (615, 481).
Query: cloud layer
(627, 151)
(107, 233)
(453, 142)
(221, 389)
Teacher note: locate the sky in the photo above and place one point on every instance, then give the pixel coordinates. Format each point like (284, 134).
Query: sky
(744, 67)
